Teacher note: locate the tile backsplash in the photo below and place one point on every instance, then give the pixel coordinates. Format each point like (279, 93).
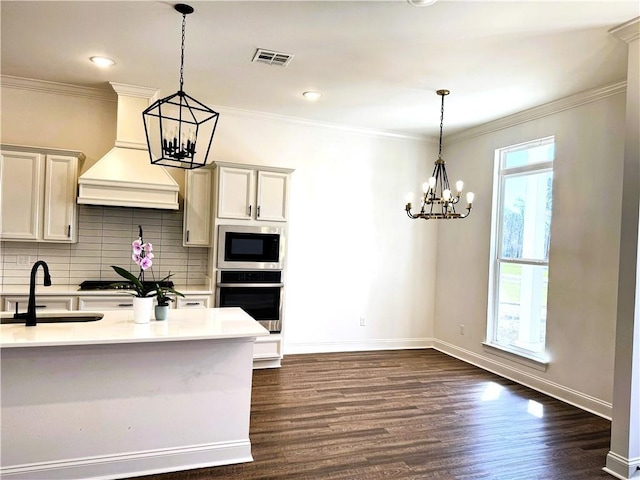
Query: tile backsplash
(105, 235)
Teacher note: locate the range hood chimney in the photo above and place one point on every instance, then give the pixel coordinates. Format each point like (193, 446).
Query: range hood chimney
(125, 177)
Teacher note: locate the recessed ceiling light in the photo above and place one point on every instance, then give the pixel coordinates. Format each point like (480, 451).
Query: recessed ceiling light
(102, 61)
(312, 95)
(421, 3)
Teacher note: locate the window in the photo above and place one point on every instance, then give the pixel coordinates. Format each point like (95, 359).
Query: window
(520, 247)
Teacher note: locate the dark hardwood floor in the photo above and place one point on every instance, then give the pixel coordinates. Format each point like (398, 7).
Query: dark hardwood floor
(408, 414)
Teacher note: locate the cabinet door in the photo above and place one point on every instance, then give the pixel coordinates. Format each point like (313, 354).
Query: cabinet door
(60, 199)
(21, 198)
(193, 301)
(197, 208)
(97, 304)
(273, 192)
(43, 303)
(235, 193)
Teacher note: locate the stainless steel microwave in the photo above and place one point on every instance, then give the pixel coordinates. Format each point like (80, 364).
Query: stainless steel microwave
(250, 247)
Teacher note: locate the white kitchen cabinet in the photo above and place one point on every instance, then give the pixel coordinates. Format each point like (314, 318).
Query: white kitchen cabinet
(193, 301)
(43, 303)
(273, 193)
(197, 208)
(97, 304)
(22, 185)
(236, 193)
(253, 193)
(38, 194)
(267, 351)
(60, 186)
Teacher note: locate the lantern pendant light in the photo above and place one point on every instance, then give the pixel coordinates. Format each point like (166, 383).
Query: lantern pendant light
(179, 128)
(437, 200)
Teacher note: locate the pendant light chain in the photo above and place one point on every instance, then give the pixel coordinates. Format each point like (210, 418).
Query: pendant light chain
(441, 124)
(184, 23)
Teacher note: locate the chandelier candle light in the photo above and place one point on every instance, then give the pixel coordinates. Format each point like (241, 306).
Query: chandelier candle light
(174, 124)
(437, 200)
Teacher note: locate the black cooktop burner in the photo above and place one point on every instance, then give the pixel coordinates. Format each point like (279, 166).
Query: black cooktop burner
(109, 284)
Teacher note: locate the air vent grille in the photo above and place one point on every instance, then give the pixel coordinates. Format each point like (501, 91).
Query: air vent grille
(271, 57)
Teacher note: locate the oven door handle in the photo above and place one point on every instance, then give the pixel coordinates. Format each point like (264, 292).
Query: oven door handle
(250, 285)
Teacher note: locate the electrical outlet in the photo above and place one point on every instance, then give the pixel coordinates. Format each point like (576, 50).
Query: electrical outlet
(362, 322)
(23, 260)
(461, 329)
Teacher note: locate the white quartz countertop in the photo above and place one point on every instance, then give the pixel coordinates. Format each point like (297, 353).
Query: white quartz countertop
(119, 327)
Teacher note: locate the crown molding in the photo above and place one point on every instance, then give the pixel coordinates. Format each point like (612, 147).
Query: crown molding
(541, 111)
(493, 126)
(274, 118)
(628, 31)
(44, 86)
(55, 88)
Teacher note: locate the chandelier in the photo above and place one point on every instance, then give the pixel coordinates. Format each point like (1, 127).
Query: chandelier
(437, 200)
(179, 128)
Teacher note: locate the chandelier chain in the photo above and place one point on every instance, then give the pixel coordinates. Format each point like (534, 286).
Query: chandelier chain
(441, 124)
(184, 23)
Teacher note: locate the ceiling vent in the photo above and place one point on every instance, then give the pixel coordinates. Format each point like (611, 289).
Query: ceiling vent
(270, 57)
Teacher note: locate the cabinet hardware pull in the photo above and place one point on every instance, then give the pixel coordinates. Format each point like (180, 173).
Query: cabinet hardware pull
(69, 231)
(125, 304)
(41, 306)
(187, 235)
(258, 212)
(249, 210)
(192, 304)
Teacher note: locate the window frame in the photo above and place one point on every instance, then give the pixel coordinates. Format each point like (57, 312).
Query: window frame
(496, 259)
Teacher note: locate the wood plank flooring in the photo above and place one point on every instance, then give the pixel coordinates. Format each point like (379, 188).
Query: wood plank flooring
(408, 414)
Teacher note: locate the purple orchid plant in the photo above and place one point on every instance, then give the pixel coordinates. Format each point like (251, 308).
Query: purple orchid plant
(142, 255)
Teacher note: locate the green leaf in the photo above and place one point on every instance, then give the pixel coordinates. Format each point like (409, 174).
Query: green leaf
(137, 284)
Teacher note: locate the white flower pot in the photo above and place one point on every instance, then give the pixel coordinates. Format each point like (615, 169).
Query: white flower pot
(142, 307)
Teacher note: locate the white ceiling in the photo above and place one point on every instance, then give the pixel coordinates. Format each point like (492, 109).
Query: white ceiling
(377, 63)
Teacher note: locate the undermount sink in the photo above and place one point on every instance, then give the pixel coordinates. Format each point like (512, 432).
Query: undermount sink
(7, 319)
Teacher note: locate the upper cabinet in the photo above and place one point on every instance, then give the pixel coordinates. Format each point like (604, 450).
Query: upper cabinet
(253, 193)
(38, 198)
(197, 208)
(236, 193)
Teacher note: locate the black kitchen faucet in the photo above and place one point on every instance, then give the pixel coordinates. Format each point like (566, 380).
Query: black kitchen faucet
(30, 316)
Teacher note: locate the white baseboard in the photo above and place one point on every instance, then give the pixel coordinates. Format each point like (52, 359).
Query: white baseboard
(358, 345)
(134, 464)
(622, 467)
(259, 363)
(523, 377)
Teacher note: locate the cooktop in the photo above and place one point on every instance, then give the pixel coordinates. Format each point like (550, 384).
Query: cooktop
(117, 285)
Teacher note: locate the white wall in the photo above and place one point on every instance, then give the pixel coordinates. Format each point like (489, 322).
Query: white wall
(583, 258)
(351, 252)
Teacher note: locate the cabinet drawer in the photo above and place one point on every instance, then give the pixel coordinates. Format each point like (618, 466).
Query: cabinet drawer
(105, 303)
(268, 347)
(42, 303)
(193, 302)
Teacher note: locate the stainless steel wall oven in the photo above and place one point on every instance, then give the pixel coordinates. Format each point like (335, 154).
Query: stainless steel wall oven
(258, 292)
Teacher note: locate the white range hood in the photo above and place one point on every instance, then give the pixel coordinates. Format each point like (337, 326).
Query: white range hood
(125, 177)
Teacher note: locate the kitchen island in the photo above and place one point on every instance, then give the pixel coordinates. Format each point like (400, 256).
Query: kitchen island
(114, 399)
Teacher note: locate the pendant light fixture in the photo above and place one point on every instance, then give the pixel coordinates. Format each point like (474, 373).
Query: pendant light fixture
(179, 128)
(437, 201)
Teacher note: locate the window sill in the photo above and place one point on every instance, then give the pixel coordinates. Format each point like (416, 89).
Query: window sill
(517, 356)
